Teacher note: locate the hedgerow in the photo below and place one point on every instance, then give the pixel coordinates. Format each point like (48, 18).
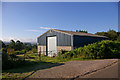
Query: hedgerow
(99, 50)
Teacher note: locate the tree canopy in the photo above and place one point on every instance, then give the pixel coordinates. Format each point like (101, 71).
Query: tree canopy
(82, 31)
(111, 34)
(18, 46)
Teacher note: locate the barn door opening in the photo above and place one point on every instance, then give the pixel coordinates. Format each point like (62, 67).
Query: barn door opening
(52, 46)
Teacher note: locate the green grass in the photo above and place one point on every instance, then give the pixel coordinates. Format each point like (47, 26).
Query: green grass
(35, 64)
(83, 59)
(24, 71)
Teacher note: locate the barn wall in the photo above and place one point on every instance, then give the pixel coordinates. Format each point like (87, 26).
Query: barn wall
(80, 41)
(44, 49)
(68, 48)
(62, 39)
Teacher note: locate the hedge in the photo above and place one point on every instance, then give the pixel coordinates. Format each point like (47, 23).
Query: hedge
(100, 50)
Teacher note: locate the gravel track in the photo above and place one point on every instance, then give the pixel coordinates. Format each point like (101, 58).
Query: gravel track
(73, 69)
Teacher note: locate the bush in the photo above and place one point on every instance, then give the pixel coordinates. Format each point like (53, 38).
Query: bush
(62, 52)
(99, 50)
(20, 52)
(118, 39)
(11, 61)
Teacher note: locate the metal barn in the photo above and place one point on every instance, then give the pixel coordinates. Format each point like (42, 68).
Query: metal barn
(52, 41)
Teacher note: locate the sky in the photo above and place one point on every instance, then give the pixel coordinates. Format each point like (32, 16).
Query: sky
(25, 21)
(60, 0)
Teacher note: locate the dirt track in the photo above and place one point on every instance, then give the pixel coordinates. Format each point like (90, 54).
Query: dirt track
(73, 69)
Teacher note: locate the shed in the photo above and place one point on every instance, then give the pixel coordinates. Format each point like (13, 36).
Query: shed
(52, 41)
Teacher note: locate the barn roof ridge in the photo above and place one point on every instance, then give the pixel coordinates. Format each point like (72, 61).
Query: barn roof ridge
(74, 33)
(78, 33)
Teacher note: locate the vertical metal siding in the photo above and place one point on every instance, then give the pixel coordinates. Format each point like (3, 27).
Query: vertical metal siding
(68, 40)
(62, 39)
(80, 41)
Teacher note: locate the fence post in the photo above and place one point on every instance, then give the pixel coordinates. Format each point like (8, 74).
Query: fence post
(39, 55)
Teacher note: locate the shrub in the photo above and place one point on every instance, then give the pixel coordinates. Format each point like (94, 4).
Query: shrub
(20, 52)
(12, 61)
(61, 53)
(99, 50)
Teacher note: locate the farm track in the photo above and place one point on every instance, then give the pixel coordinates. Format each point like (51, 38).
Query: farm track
(73, 69)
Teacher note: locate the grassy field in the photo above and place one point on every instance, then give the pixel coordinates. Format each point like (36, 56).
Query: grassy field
(35, 64)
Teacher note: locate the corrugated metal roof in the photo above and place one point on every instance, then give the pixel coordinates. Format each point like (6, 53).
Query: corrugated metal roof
(78, 33)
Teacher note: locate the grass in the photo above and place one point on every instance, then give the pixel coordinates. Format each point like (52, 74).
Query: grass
(24, 71)
(35, 64)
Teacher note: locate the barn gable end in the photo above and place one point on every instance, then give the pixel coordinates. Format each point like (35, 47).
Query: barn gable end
(63, 41)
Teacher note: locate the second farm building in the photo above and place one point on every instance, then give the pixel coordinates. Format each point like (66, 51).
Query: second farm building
(52, 41)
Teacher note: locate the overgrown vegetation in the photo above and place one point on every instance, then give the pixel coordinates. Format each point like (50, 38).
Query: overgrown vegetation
(100, 50)
(111, 34)
(10, 61)
(13, 61)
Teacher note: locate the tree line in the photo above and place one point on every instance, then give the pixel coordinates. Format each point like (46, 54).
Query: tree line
(18, 46)
(111, 34)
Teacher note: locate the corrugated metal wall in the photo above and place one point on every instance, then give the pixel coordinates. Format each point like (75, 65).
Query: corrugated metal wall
(80, 41)
(62, 39)
(68, 40)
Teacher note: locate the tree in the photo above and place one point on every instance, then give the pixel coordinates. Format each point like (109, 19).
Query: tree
(12, 44)
(77, 31)
(111, 34)
(81, 31)
(101, 33)
(19, 45)
(118, 38)
(2, 45)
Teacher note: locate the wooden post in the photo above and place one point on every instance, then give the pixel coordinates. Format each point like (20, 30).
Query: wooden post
(39, 55)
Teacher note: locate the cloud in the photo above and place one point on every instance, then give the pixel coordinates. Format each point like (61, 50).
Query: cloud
(10, 38)
(21, 39)
(33, 30)
(45, 28)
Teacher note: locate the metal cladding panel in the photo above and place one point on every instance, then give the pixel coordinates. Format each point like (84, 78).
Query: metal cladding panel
(80, 41)
(62, 39)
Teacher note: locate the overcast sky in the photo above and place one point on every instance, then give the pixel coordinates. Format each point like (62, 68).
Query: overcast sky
(28, 20)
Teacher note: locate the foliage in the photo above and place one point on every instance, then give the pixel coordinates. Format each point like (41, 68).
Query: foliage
(12, 44)
(82, 31)
(99, 50)
(20, 52)
(61, 53)
(19, 47)
(2, 45)
(12, 61)
(111, 34)
(118, 38)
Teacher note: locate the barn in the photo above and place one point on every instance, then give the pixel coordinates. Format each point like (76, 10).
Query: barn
(52, 41)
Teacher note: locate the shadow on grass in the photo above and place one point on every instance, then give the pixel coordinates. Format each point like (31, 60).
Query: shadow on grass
(29, 66)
